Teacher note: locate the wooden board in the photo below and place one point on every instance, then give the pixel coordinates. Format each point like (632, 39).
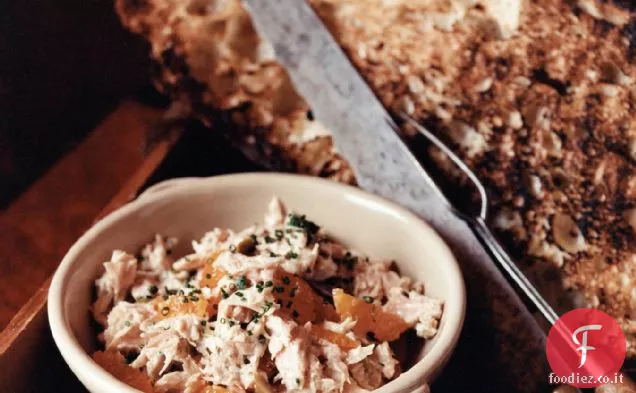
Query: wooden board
(38, 228)
(26, 341)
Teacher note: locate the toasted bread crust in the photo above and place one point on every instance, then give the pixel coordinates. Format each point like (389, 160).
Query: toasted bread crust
(543, 111)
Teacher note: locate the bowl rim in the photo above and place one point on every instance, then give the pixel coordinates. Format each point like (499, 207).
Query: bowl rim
(85, 368)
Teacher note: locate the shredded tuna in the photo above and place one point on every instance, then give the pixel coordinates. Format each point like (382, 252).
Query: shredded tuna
(222, 315)
(182, 381)
(359, 354)
(384, 354)
(275, 215)
(156, 255)
(375, 280)
(113, 285)
(212, 241)
(162, 349)
(123, 330)
(189, 262)
(422, 311)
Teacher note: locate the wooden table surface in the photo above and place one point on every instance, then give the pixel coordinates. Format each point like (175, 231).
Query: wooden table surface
(39, 227)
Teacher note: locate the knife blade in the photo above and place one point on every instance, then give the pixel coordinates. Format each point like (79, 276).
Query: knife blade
(363, 131)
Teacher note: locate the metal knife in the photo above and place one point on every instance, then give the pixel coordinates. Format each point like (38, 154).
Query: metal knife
(365, 134)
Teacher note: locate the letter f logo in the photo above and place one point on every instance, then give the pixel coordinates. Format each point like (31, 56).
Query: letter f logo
(583, 346)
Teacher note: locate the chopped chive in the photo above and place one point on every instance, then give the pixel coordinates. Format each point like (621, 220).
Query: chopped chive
(241, 282)
(303, 223)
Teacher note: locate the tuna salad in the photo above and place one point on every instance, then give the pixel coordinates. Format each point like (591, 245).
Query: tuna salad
(278, 307)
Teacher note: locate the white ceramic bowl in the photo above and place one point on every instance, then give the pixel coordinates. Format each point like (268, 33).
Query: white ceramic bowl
(187, 208)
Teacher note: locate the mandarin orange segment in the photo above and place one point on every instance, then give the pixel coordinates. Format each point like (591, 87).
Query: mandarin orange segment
(176, 305)
(344, 342)
(298, 299)
(213, 305)
(370, 318)
(115, 364)
(326, 311)
(211, 275)
(295, 298)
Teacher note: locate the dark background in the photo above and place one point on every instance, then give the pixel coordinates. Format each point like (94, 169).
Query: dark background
(64, 65)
